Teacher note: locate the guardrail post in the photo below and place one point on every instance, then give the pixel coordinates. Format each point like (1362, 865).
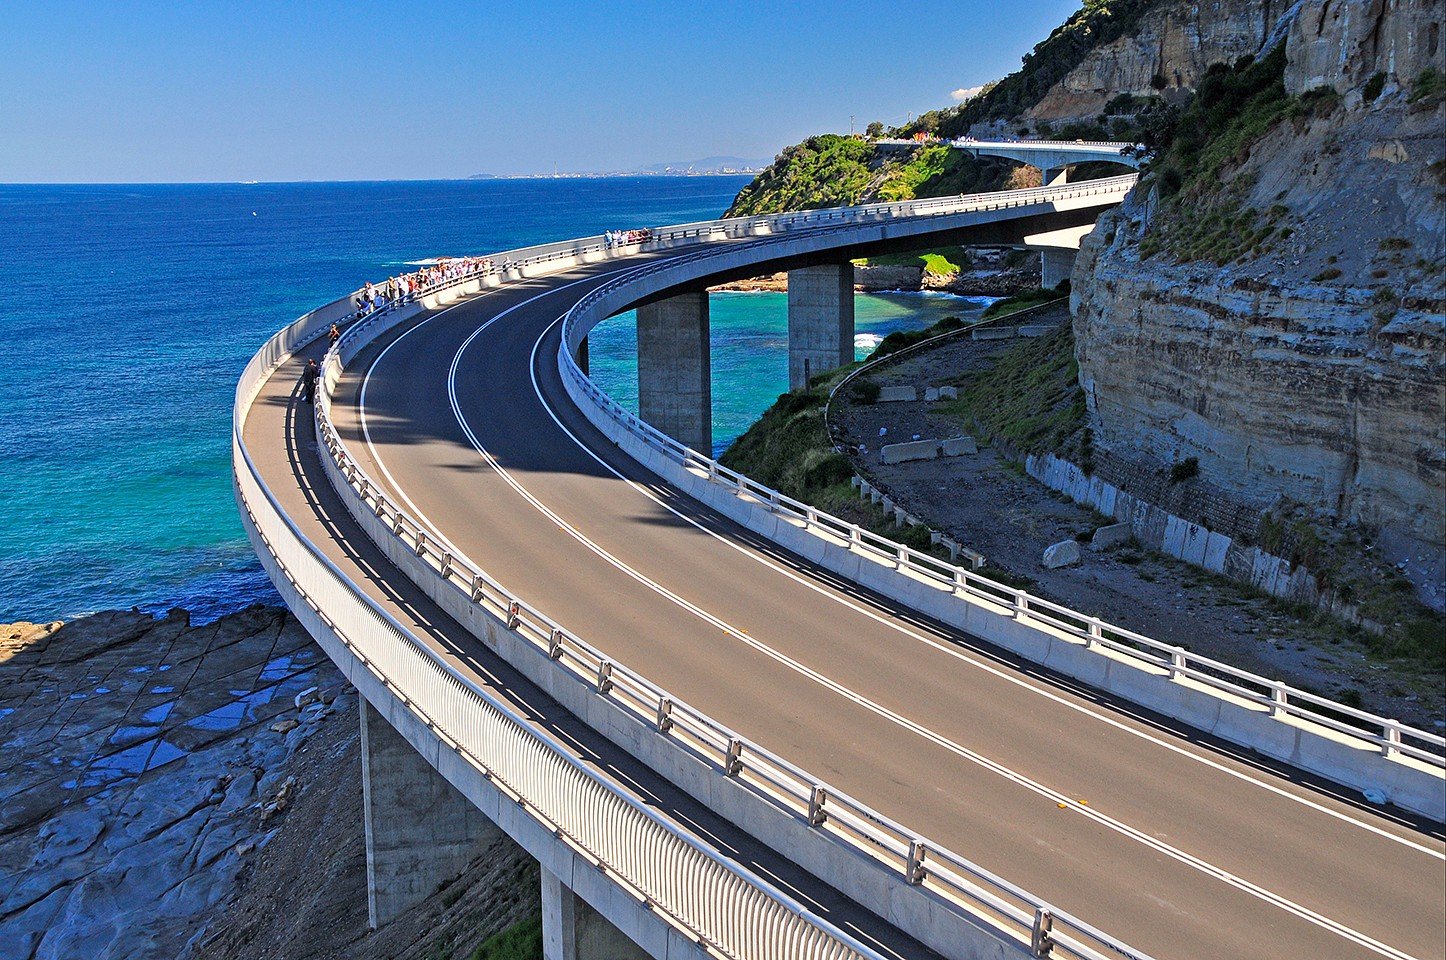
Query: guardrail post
(554, 645)
(1021, 604)
(1095, 632)
(1392, 743)
(421, 541)
(901, 557)
(1041, 939)
(817, 797)
(960, 584)
(514, 615)
(604, 677)
(1177, 662)
(665, 714)
(446, 564)
(914, 870)
(733, 759)
(856, 538)
(476, 588)
(1277, 698)
(810, 518)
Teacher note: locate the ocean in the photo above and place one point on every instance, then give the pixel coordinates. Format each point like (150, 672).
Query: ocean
(128, 311)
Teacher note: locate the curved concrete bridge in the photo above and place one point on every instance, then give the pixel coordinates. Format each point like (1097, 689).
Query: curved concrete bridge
(730, 725)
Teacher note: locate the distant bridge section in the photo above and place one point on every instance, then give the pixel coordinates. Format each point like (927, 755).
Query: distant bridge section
(1054, 157)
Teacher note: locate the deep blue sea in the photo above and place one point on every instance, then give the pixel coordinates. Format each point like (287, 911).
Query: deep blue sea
(126, 313)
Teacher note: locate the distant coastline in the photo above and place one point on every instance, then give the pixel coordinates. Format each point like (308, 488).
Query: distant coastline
(703, 167)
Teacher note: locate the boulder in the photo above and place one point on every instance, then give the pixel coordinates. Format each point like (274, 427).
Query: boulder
(931, 394)
(1061, 554)
(948, 393)
(895, 394)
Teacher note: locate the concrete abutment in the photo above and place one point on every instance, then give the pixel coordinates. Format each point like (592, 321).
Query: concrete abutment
(421, 833)
(1055, 267)
(573, 930)
(675, 392)
(820, 321)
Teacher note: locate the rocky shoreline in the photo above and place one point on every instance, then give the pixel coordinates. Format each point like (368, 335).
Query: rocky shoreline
(895, 278)
(218, 769)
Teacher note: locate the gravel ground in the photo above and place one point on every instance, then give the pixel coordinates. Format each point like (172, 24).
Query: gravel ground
(989, 504)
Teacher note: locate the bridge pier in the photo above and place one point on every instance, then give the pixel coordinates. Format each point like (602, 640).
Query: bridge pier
(420, 832)
(820, 320)
(675, 391)
(1054, 176)
(573, 930)
(1055, 267)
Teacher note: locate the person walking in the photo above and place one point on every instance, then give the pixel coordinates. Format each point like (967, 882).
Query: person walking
(309, 377)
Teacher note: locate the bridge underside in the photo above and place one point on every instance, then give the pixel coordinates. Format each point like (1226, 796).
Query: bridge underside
(674, 381)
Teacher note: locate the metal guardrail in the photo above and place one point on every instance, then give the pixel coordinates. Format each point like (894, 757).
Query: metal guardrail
(1389, 736)
(1014, 914)
(968, 144)
(695, 889)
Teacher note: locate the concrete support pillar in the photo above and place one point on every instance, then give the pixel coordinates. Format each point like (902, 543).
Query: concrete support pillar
(420, 832)
(1055, 176)
(1055, 267)
(573, 930)
(820, 321)
(675, 391)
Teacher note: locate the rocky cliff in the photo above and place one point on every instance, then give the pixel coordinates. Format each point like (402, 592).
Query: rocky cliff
(1165, 54)
(170, 790)
(1271, 304)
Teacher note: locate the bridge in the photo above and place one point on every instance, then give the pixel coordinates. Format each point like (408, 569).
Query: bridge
(1054, 158)
(728, 724)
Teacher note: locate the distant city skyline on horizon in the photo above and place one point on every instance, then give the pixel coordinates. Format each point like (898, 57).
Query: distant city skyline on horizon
(371, 92)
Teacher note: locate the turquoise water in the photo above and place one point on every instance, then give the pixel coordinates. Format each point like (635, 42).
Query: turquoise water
(128, 312)
(748, 336)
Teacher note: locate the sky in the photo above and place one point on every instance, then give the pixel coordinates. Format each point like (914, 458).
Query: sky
(120, 91)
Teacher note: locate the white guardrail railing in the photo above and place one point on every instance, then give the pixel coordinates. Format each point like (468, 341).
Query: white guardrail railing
(1093, 145)
(1388, 736)
(1014, 914)
(706, 896)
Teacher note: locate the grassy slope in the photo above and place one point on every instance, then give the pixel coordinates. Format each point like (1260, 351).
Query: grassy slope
(521, 941)
(832, 170)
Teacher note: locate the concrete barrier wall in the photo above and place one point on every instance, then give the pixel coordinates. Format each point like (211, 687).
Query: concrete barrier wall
(1173, 535)
(1408, 783)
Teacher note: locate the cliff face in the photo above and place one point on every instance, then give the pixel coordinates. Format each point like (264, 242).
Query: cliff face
(1308, 365)
(1167, 54)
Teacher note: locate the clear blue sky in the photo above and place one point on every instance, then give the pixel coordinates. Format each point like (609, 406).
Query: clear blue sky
(117, 91)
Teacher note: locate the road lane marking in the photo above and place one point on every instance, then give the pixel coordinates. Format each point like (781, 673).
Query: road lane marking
(1011, 676)
(828, 683)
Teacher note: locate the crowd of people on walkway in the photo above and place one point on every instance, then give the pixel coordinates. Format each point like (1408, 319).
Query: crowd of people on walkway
(624, 238)
(399, 289)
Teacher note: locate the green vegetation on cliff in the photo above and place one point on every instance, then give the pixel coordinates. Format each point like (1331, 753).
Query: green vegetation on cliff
(521, 941)
(1203, 216)
(1095, 24)
(832, 170)
(1030, 400)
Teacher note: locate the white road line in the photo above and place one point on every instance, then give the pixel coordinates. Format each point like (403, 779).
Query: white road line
(892, 623)
(738, 634)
